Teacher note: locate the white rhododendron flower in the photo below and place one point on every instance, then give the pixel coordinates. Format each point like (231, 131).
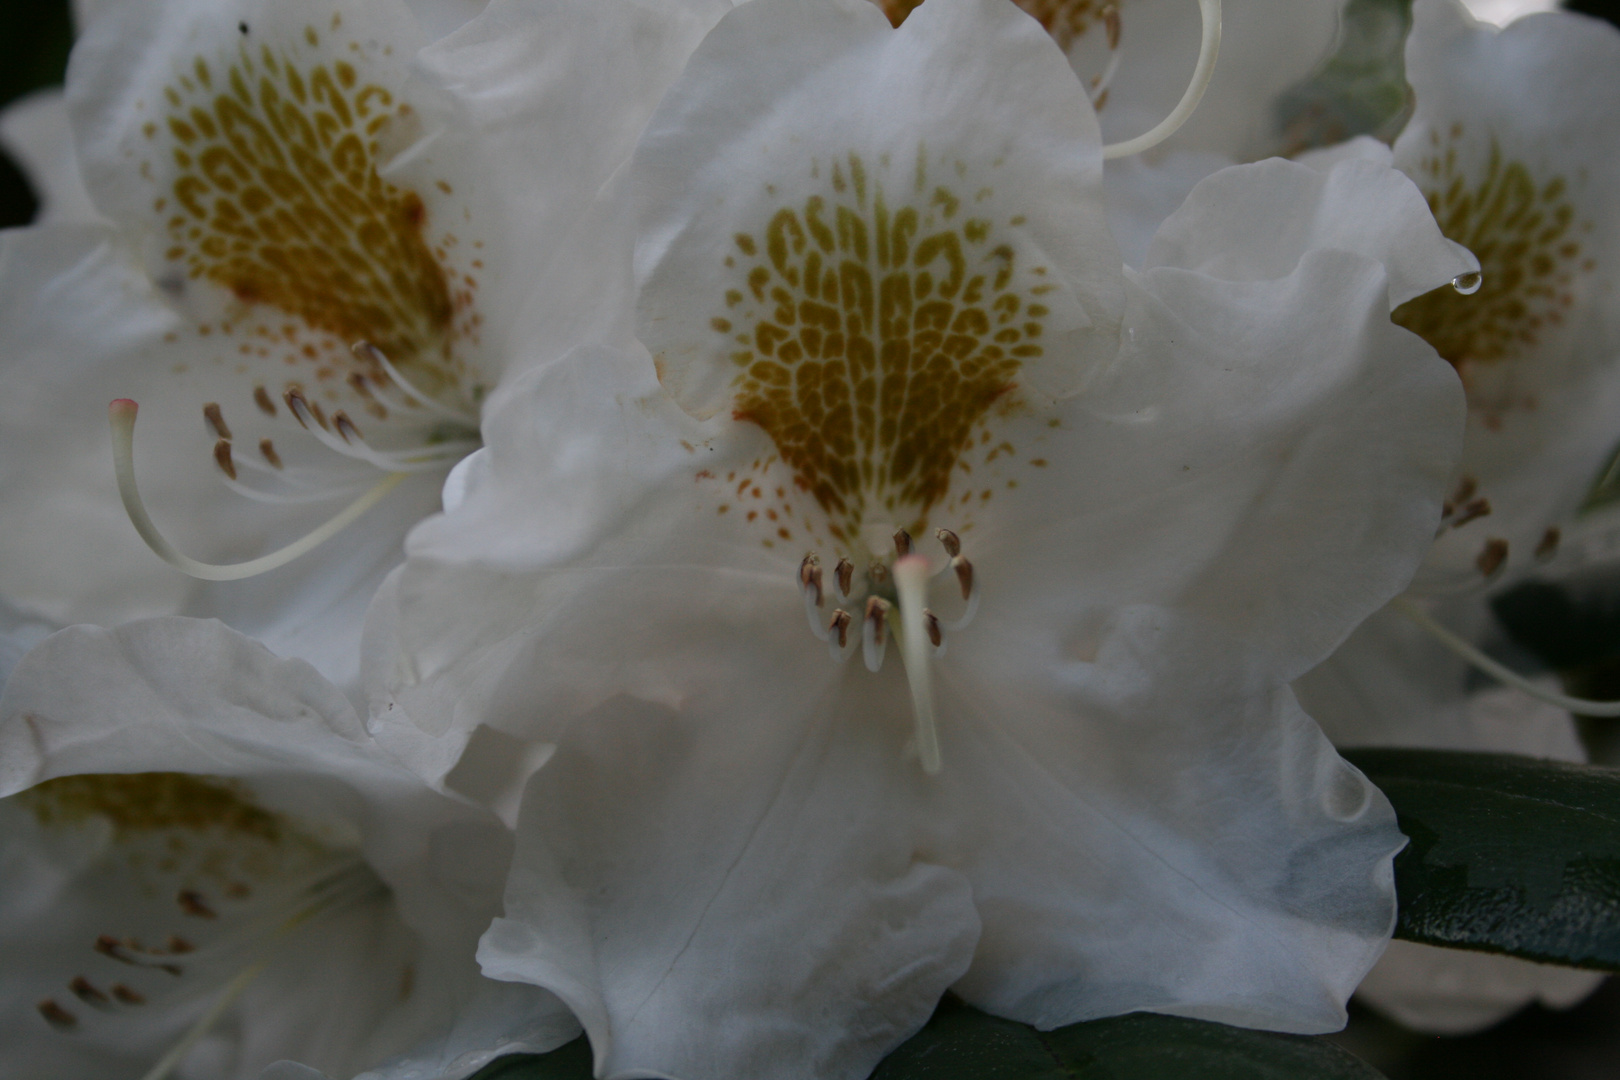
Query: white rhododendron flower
(919, 613)
(321, 246)
(1513, 140)
(209, 868)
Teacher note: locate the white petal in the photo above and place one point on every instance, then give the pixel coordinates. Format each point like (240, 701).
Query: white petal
(1142, 194)
(34, 130)
(1254, 222)
(1159, 827)
(1501, 141)
(729, 889)
(1392, 684)
(177, 695)
(1456, 992)
(1006, 140)
(1224, 474)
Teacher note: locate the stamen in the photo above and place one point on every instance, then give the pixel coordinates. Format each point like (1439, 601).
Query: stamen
(1472, 511)
(810, 589)
(1492, 556)
(86, 991)
(844, 574)
(902, 543)
(121, 414)
(949, 541)
(969, 585)
(432, 404)
(1501, 672)
(839, 646)
(128, 996)
(222, 458)
(226, 999)
(810, 576)
(1209, 47)
(216, 421)
(1548, 545)
(56, 1016)
(936, 633)
(352, 445)
(874, 642)
(266, 403)
(268, 449)
(911, 583)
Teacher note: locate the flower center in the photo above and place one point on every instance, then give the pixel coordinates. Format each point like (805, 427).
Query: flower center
(875, 342)
(196, 887)
(891, 596)
(1523, 232)
(329, 291)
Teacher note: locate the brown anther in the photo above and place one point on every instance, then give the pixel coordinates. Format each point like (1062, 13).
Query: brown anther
(902, 542)
(1548, 547)
(128, 996)
(1110, 14)
(345, 426)
(1465, 491)
(268, 450)
(1471, 511)
(179, 946)
(845, 573)
(876, 614)
(298, 405)
(262, 398)
(107, 945)
(1492, 556)
(964, 575)
(810, 576)
(931, 623)
(222, 458)
(840, 626)
(192, 904)
(216, 420)
(359, 384)
(949, 541)
(319, 415)
(238, 890)
(56, 1016)
(173, 969)
(86, 992)
(1100, 100)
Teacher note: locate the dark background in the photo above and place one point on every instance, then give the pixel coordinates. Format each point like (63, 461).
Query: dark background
(1579, 1044)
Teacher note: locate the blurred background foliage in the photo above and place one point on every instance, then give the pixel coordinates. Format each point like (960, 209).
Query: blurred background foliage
(1571, 627)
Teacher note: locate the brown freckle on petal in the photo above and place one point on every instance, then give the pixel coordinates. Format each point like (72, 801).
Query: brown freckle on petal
(1492, 556)
(178, 946)
(56, 1016)
(192, 903)
(724, 507)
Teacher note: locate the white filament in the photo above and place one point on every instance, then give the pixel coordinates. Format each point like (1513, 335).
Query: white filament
(227, 997)
(1208, 49)
(121, 414)
(429, 403)
(911, 585)
(1501, 672)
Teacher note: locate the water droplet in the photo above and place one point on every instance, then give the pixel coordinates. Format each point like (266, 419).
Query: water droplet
(1468, 284)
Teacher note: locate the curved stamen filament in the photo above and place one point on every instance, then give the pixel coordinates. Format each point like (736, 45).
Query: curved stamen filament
(227, 997)
(121, 414)
(349, 443)
(1499, 671)
(1208, 49)
(431, 404)
(911, 584)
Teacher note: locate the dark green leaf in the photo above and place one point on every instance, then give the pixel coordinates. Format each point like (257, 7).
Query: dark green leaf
(962, 1043)
(1508, 854)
